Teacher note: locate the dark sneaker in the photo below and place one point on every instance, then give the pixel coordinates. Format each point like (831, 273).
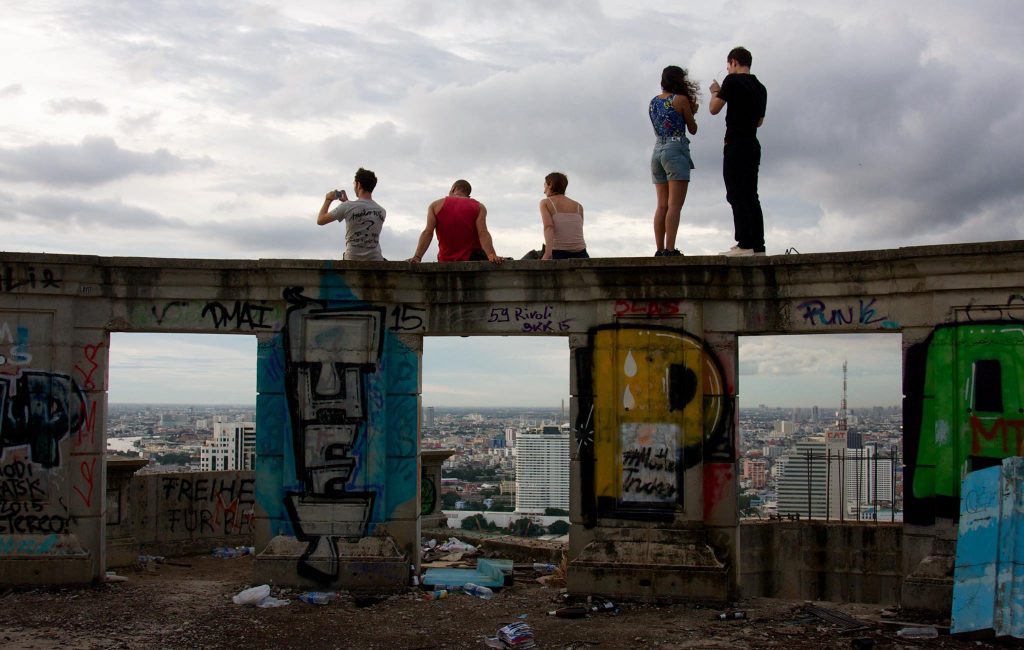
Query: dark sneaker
(659, 253)
(671, 252)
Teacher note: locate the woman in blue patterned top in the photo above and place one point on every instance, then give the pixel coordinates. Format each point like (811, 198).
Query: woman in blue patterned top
(671, 116)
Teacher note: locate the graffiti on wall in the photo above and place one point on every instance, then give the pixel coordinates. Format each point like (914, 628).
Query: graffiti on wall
(14, 345)
(818, 313)
(653, 403)
(13, 278)
(229, 315)
(963, 410)
(329, 352)
(38, 410)
(215, 505)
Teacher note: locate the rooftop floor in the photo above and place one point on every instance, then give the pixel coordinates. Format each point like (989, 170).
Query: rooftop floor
(190, 606)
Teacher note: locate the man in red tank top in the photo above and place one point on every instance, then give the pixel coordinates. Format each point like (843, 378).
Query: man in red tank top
(461, 225)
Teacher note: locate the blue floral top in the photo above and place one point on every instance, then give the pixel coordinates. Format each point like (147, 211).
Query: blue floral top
(667, 122)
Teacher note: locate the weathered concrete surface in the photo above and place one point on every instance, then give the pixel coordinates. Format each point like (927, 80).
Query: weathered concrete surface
(821, 560)
(176, 514)
(654, 383)
(431, 461)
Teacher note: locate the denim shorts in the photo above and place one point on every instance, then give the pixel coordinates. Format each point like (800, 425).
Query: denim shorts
(671, 161)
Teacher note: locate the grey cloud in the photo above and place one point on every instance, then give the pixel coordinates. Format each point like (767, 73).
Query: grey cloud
(96, 160)
(12, 90)
(68, 210)
(895, 141)
(141, 122)
(76, 105)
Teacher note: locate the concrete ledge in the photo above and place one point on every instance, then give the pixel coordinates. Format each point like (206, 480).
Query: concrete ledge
(367, 565)
(47, 569)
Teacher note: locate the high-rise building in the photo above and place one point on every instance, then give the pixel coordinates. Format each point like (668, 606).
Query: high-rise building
(542, 470)
(755, 470)
(428, 417)
(232, 447)
(868, 478)
(784, 427)
(810, 485)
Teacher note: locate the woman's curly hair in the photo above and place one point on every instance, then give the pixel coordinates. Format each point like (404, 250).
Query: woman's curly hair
(676, 80)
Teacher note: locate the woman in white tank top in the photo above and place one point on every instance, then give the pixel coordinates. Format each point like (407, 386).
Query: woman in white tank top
(563, 221)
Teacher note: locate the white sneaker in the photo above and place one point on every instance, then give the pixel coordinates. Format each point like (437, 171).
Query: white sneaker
(736, 251)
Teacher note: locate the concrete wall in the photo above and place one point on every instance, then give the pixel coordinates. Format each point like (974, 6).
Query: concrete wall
(183, 513)
(653, 352)
(821, 560)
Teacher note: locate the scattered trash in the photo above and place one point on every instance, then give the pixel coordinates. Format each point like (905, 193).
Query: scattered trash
(516, 635)
(488, 572)
(522, 616)
(229, 552)
(455, 545)
(569, 612)
(318, 597)
(918, 632)
(544, 568)
(478, 591)
(113, 577)
(251, 596)
(151, 559)
(270, 601)
(439, 594)
(732, 615)
(845, 622)
(603, 605)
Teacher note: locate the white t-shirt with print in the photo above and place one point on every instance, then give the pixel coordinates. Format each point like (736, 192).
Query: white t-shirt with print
(364, 219)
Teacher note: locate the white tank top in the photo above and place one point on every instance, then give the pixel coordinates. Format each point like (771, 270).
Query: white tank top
(568, 230)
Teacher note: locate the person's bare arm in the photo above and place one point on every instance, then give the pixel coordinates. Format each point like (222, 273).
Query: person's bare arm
(682, 105)
(549, 227)
(716, 104)
(485, 236)
(324, 217)
(427, 235)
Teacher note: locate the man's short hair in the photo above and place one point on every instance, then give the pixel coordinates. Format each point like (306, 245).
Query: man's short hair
(558, 182)
(462, 186)
(367, 179)
(741, 55)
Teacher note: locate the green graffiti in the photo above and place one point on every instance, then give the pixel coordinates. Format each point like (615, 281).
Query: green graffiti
(971, 406)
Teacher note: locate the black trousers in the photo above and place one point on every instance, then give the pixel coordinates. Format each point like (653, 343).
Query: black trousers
(740, 163)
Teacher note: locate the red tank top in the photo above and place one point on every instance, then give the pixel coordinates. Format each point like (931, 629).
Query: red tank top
(456, 229)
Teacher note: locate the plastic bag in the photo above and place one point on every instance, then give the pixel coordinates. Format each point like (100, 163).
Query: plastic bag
(251, 596)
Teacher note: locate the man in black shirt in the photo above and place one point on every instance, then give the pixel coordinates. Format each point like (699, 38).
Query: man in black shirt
(746, 98)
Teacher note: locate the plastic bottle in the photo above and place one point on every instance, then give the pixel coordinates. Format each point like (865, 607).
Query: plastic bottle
(478, 591)
(926, 632)
(543, 567)
(569, 612)
(318, 597)
(439, 594)
(225, 552)
(732, 616)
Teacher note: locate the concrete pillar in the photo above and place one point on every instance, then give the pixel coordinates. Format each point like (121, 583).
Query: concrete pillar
(338, 447)
(653, 496)
(53, 404)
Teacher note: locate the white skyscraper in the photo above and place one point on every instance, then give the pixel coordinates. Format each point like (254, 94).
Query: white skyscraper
(868, 479)
(542, 470)
(233, 447)
(810, 485)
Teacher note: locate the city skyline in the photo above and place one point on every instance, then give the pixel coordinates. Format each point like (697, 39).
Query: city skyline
(785, 371)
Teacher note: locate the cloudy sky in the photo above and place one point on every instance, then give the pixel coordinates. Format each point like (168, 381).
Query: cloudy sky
(194, 129)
